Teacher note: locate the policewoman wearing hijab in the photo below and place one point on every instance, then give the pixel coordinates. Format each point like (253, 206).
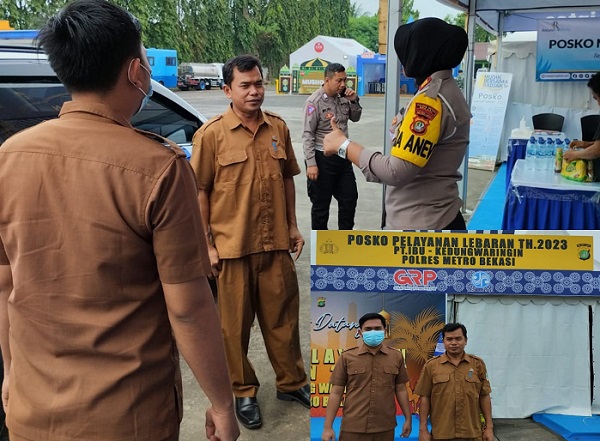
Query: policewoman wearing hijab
(429, 139)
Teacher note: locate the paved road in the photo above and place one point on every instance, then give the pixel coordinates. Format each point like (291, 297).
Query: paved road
(290, 421)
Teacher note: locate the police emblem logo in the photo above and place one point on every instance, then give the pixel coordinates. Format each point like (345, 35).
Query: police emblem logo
(419, 127)
(329, 115)
(310, 109)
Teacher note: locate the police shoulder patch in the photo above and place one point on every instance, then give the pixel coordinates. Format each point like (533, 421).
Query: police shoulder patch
(419, 131)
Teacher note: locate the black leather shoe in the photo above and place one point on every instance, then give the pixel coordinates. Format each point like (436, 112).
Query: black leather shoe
(248, 412)
(301, 395)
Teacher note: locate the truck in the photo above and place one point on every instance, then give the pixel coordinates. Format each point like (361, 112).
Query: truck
(163, 63)
(208, 75)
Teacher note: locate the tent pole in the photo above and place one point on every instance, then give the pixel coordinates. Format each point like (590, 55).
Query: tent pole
(462, 189)
(499, 63)
(392, 78)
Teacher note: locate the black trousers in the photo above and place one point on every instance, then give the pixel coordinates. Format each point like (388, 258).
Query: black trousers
(336, 179)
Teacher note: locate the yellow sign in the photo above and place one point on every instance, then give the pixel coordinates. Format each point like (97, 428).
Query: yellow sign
(457, 250)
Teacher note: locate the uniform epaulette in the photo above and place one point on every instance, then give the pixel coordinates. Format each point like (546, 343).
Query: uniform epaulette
(164, 142)
(435, 357)
(273, 114)
(475, 357)
(212, 120)
(349, 349)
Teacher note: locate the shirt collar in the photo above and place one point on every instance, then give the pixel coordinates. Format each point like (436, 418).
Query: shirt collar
(444, 358)
(233, 121)
(77, 108)
(442, 74)
(364, 349)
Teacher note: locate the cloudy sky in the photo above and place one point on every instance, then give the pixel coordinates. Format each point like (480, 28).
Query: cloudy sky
(427, 8)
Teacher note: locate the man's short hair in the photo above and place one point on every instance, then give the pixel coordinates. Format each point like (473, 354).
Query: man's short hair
(243, 63)
(333, 68)
(371, 316)
(451, 327)
(88, 42)
(594, 83)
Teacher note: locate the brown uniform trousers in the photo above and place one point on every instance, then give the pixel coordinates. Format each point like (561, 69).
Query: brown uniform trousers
(262, 284)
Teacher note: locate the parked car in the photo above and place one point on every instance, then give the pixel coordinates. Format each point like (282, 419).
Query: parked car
(31, 93)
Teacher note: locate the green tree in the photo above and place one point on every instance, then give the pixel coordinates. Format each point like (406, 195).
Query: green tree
(481, 35)
(364, 29)
(29, 14)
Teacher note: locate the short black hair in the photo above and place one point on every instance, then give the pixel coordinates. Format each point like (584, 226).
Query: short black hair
(371, 316)
(594, 83)
(333, 68)
(88, 42)
(244, 63)
(451, 327)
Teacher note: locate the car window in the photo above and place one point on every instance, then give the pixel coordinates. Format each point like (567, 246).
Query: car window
(160, 116)
(24, 104)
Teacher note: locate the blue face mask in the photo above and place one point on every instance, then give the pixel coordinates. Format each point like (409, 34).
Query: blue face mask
(148, 94)
(373, 338)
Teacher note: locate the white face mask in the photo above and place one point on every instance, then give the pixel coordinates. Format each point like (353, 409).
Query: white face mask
(148, 94)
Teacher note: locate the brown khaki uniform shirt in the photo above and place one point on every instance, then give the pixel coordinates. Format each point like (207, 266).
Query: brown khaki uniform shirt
(454, 393)
(318, 110)
(93, 216)
(244, 174)
(370, 382)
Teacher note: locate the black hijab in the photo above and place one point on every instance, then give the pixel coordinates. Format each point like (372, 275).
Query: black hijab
(429, 45)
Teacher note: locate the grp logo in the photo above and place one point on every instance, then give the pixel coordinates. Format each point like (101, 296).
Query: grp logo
(414, 277)
(481, 279)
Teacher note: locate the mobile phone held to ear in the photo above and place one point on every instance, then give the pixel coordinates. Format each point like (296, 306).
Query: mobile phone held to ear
(343, 93)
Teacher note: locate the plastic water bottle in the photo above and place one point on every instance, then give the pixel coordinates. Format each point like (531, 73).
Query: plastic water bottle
(541, 154)
(531, 153)
(549, 156)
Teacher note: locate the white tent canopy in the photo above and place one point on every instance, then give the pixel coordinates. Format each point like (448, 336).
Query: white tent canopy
(332, 49)
(522, 15)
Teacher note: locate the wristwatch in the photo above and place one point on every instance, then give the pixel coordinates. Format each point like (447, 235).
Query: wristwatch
(342, 149)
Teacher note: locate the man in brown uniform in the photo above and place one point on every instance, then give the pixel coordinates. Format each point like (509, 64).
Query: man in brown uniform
(455, 391)
(103, 261)
(373, 374)
(245, 164)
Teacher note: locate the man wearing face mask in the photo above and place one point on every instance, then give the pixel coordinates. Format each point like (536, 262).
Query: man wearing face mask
(103, 260)
(330, 176)
(373, 374)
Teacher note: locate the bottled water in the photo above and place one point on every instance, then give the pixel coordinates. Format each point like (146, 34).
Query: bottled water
(549, 156)
(531, 153)
(540, 162)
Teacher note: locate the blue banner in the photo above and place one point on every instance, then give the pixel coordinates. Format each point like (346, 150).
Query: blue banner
(568, 49)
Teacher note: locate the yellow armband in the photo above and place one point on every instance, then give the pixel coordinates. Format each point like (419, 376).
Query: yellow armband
(420, 130)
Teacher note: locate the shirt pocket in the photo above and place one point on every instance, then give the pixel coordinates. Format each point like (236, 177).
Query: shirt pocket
(345, 109)
(472, 384)
(440, 383)
(357, 377)
(233, 168)
(276, 167)
(389, 375)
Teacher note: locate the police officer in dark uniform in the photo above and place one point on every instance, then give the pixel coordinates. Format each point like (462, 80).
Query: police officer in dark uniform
(330, 176)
